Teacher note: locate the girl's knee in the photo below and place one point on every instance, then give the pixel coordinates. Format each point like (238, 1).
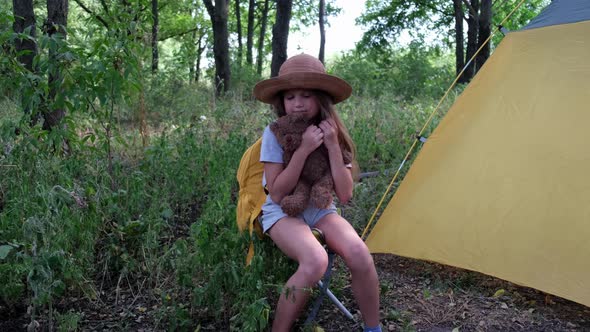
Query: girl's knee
(358, 257)
(314, 266)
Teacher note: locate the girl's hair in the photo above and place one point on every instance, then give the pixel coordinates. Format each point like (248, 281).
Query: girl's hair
(327, 110)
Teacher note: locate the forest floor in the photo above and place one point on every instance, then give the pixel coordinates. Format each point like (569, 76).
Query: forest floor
(415, 296)
(424, 296)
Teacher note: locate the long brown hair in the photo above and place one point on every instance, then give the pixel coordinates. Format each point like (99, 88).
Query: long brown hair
(327, 110)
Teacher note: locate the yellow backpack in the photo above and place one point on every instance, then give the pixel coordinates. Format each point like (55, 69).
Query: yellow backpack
(251, 196)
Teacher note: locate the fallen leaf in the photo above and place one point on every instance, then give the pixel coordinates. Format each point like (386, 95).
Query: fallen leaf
(5, 250)
(499, 293)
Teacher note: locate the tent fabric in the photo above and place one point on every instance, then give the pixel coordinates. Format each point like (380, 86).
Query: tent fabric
(561, 12)
(502, 185)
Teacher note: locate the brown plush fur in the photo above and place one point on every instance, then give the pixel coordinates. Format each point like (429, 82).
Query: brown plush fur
(315, 184)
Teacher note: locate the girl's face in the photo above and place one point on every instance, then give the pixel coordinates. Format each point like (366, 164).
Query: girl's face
(301, 101)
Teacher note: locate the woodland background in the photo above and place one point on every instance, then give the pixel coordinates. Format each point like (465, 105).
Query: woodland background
(122, 126)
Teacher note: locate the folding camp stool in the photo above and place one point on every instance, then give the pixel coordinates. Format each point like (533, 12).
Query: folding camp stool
(324, 283)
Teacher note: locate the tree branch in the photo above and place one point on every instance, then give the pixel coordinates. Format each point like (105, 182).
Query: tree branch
(435, 8)
(210, 8)
(87, 10)
(163, 6)
(471, 9)
(179, 34)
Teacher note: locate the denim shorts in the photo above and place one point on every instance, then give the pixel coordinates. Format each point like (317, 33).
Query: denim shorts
(272, 213)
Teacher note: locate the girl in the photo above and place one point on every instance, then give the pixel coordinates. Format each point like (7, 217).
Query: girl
(303, 87)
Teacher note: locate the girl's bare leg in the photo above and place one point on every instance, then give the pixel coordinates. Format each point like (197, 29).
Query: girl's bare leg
(345, 241)
(295, 239)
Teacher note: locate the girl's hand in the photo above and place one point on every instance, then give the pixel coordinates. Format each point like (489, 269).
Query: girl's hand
(330, 130)
(311, 139)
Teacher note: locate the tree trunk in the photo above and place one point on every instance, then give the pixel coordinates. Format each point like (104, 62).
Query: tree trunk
(250, 32)
(155, 29)
(218, 14)
(472, 28)
(57, 20)
(197, 39)
(485, 20)
(280, 36)
(24, 20)
(239, 31)
(322, 17)
(263, 24)
(200, 50)
(191, 63)
(24, 17)
(459, 47)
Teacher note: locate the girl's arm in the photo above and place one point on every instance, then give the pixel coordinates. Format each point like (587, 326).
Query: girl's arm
(342, 175)
(281, 180)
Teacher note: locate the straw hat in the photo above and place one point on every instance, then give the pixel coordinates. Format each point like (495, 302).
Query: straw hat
(302, 71)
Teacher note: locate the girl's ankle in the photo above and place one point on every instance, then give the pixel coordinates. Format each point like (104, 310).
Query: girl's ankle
(372, 329)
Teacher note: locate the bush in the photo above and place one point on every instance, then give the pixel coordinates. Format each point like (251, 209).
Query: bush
(408, 73)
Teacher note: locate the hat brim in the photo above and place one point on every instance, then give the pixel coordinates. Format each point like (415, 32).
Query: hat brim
(267, 90)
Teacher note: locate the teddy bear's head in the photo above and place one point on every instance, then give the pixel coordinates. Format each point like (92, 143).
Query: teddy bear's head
(288, 130)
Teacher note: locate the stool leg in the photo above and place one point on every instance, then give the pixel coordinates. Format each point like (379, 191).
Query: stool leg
(324, 290)
(337, 302)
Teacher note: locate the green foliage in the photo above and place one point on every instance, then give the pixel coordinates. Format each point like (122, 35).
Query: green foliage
(68, 321)
(402, 72)
(385, 20)
(305, 13)
(8, 66)
(243, 79)
(218, 252)
(12, 290)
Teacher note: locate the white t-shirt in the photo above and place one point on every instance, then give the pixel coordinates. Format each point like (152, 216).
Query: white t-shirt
(270, 151)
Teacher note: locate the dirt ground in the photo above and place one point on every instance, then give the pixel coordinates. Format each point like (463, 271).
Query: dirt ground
(422, 296)
(415, 296)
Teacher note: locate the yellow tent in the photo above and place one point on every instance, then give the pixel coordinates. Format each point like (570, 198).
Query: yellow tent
(502, 186)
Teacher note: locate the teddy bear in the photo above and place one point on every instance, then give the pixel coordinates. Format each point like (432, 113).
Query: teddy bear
(315, 185)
